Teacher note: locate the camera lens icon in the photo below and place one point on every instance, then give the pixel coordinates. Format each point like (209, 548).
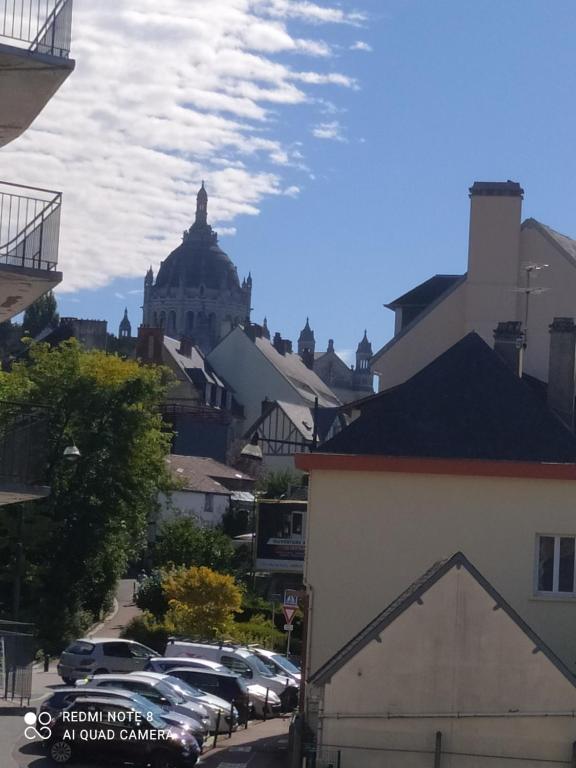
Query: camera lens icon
(33, 720)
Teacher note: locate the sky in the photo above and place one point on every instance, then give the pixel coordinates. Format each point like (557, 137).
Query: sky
(337, 141)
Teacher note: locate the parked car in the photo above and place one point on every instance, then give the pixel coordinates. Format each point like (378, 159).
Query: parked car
(62, 698)
(213, 703)
(241, 660)
(129, 736)
(278, 664)
(101, 655)
(259, 698)
(157, 692)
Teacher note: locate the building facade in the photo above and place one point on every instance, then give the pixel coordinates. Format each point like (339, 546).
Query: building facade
(518, 271)
(197, 293)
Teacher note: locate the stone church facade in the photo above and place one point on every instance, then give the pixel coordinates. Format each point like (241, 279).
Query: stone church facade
(197, 293)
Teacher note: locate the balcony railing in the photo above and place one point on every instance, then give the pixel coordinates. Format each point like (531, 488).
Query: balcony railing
(43, 26)
(24, 444)
(29, 226)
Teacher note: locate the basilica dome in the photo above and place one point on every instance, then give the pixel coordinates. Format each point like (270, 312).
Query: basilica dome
(199, 261)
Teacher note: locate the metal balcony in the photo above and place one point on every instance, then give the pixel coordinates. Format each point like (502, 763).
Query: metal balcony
(29, 236)
(42, 26)
(35, 40)
(24, 450)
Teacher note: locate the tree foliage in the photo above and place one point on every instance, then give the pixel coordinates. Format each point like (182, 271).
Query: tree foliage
(95, 518)
(183, 542)
(41, 314)
(275, 485)
(151, 596)
(202, 602)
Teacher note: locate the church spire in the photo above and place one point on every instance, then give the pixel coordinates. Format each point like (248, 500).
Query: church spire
(202, 207)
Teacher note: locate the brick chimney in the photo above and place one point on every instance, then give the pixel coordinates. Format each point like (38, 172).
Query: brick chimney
(283, 346)
(562, 369)
(150, 344)
(509, 344)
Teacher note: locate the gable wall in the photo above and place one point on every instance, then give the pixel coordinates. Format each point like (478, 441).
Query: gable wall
(371, 534)
(452, 654)
(252, 377)
(442, 327)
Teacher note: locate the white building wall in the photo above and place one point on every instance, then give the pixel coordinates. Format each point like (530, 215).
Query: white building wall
(450, 654)
(182, 504)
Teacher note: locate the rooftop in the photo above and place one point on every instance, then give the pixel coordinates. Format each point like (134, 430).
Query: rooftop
(205, 475)
(466, 404)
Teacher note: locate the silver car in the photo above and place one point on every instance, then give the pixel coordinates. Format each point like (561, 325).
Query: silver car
(102, 655)
(157, 692)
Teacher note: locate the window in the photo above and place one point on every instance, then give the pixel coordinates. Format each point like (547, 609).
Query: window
(118, 650)
(235, 665)
(556, 559)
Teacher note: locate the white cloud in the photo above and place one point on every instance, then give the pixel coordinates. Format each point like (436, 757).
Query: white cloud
(119, 296)
(331, 131)
(360, 45)
(161, 99)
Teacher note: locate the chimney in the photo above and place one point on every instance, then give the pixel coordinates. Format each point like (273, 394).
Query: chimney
(562, 369)
(186, 344)
(149, 345)
(509, 344)
(494, 241)
(278, 343)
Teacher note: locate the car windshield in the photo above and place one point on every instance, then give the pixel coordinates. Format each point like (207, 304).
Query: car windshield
(169, 692)
(151, 717)
(285, 663)
(185, 689)
(263, 668)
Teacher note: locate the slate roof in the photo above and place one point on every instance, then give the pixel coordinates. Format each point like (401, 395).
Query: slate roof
(425, 293)
(414, 593)
(307, 383)
(202, 474)
(195, 367)
(466, 404)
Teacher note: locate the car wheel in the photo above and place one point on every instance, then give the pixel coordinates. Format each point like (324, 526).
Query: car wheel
(164, 760)
(61, 751)
(68, 680)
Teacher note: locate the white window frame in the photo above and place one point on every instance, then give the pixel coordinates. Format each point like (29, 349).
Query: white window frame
(554, 592)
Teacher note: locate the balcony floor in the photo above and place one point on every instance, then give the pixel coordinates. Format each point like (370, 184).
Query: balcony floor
(20, 286)
(27, 83)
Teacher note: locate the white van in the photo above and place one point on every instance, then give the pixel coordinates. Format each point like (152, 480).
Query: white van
(241, 660)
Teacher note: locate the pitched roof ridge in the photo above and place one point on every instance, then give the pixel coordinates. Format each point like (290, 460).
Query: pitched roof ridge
(411, 595)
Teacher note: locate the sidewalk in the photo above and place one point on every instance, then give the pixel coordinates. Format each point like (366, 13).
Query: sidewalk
(261, 745)
(124, 611)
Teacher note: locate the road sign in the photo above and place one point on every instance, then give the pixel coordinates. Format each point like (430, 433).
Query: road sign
(289, 613)
(291, 598)
(288, 627)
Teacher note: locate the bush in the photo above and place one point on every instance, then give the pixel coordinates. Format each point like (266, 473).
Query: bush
(148, 630)
(183, 542)
(150, 595)
(258, 630)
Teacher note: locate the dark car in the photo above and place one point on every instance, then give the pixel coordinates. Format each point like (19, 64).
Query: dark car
(116, 732)
(62, 698)
(226, 685)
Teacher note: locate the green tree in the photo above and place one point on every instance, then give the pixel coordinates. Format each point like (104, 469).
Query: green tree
(202, 602)
(95, 518)
(274, 485)
(39, 315)
(185, 542)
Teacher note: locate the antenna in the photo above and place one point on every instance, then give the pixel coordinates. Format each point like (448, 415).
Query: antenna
(530, 267)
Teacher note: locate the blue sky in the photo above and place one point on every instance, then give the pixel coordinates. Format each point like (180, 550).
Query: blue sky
(372, 195)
